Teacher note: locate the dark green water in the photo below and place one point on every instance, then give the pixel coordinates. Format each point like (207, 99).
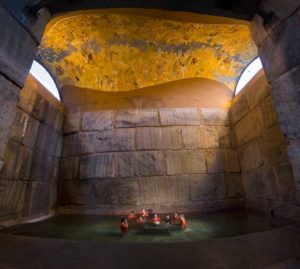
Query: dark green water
(106, 228)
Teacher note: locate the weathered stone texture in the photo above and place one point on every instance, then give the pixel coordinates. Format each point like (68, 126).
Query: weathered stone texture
(286, 88)
(214, 116)
(96, 166)
(8, 100)
(158, 138)
(185, 162)
(209, 137)
(179, 116)
(249, 127)
(69, 168)
(164, 190)
(76, 193)
(72, 122)
(97, 121)
(233, 185)
(250, 156)
(191, 137)
(284, 43)
(15, 61)
(208, 188)
(116, 192)
(137, 117)
(150, 163)
(268, 111)
(239, 109)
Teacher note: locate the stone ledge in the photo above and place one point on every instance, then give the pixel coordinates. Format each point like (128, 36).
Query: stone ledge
(137, 117)
(179, 116)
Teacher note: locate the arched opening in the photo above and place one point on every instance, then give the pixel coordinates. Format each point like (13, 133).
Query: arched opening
(44, 77)
(250, 71)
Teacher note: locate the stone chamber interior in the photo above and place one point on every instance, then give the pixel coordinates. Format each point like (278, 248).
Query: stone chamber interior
(148, 117)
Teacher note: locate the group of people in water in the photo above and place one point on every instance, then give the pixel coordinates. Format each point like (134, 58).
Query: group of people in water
(143, 217)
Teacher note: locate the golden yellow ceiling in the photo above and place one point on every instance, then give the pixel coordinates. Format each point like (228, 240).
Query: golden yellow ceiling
(120, 52)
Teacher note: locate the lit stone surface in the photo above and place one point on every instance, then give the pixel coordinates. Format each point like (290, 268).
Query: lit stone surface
(250, 156)
(150, 163)
(137, 117)
(179, 116)
(158, 138)
(214, 116)
(239, 110)
(209, 137)
(191, 137)
(98, 120)
(185, 162)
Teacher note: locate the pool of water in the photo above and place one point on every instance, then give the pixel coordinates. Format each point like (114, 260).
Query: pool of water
(106, 228)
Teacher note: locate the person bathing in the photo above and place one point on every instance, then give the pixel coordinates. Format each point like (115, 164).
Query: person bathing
(156, 219)
(131, 216)
(124, 225)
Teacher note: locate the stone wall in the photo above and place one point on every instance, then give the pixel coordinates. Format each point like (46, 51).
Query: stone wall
(266, 171)
(163, 159)
(28, 179)
(277, 35)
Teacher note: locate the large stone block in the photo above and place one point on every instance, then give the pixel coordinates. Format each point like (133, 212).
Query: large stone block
(114, 140)
(127, 164)
(226, 137)
(185, 162)
(40, 109)
(258, 91)
(286, 183)
(179, 116)
(42, 137)
(76, 193)
(164, 190)
(208, 188)
(249, 127)
(234, 185)
(250, 156)
(137, 117)
(190, 137)
(268, 111)
(97, 166)
(294, 158)
(19, 127)
(97, 120)
(69, 168)
(28, 97)
(10, 161)
(17, 48)
(231, 161)
(24, 163)
(279, 53)
(260, 184)
(32, 128)
(79, 143)
(239, 109)
(209, 137)
(72, 122)
(285, 93)
(158, 138)
(8, 103)
(257, 29)
(214, 116)
(215, 161)
(117, 192)
(150, 163)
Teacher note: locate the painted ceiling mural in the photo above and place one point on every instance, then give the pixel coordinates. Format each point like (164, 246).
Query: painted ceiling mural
(117, 52)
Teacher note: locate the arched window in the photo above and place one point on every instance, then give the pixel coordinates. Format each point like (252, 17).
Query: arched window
(251, 70)
(43, 76)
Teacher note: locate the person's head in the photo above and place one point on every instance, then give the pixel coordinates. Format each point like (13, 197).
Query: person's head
(123, 220)
(143, 210)
(155, 215)
(167, 216)
(176, 214)
(141, 218)
(132, 212)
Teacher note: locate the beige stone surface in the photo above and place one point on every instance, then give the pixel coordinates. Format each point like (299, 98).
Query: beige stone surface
(214, 116)
(158, 138)
(179, 116)
(185, 162)
(215, 161)
(268, 112)
(250, 156)
(233, 185)
(207, 187)
(249, 127)
(164, 190)
(150, 163)
(191, 137)
(137, 117)
(97, 120)
(239, 109)
(209, 137)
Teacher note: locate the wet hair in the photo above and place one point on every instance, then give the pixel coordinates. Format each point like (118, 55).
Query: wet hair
(122, 220)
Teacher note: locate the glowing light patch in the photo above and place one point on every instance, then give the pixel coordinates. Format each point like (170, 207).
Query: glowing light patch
(251, 70)
(43, 76)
